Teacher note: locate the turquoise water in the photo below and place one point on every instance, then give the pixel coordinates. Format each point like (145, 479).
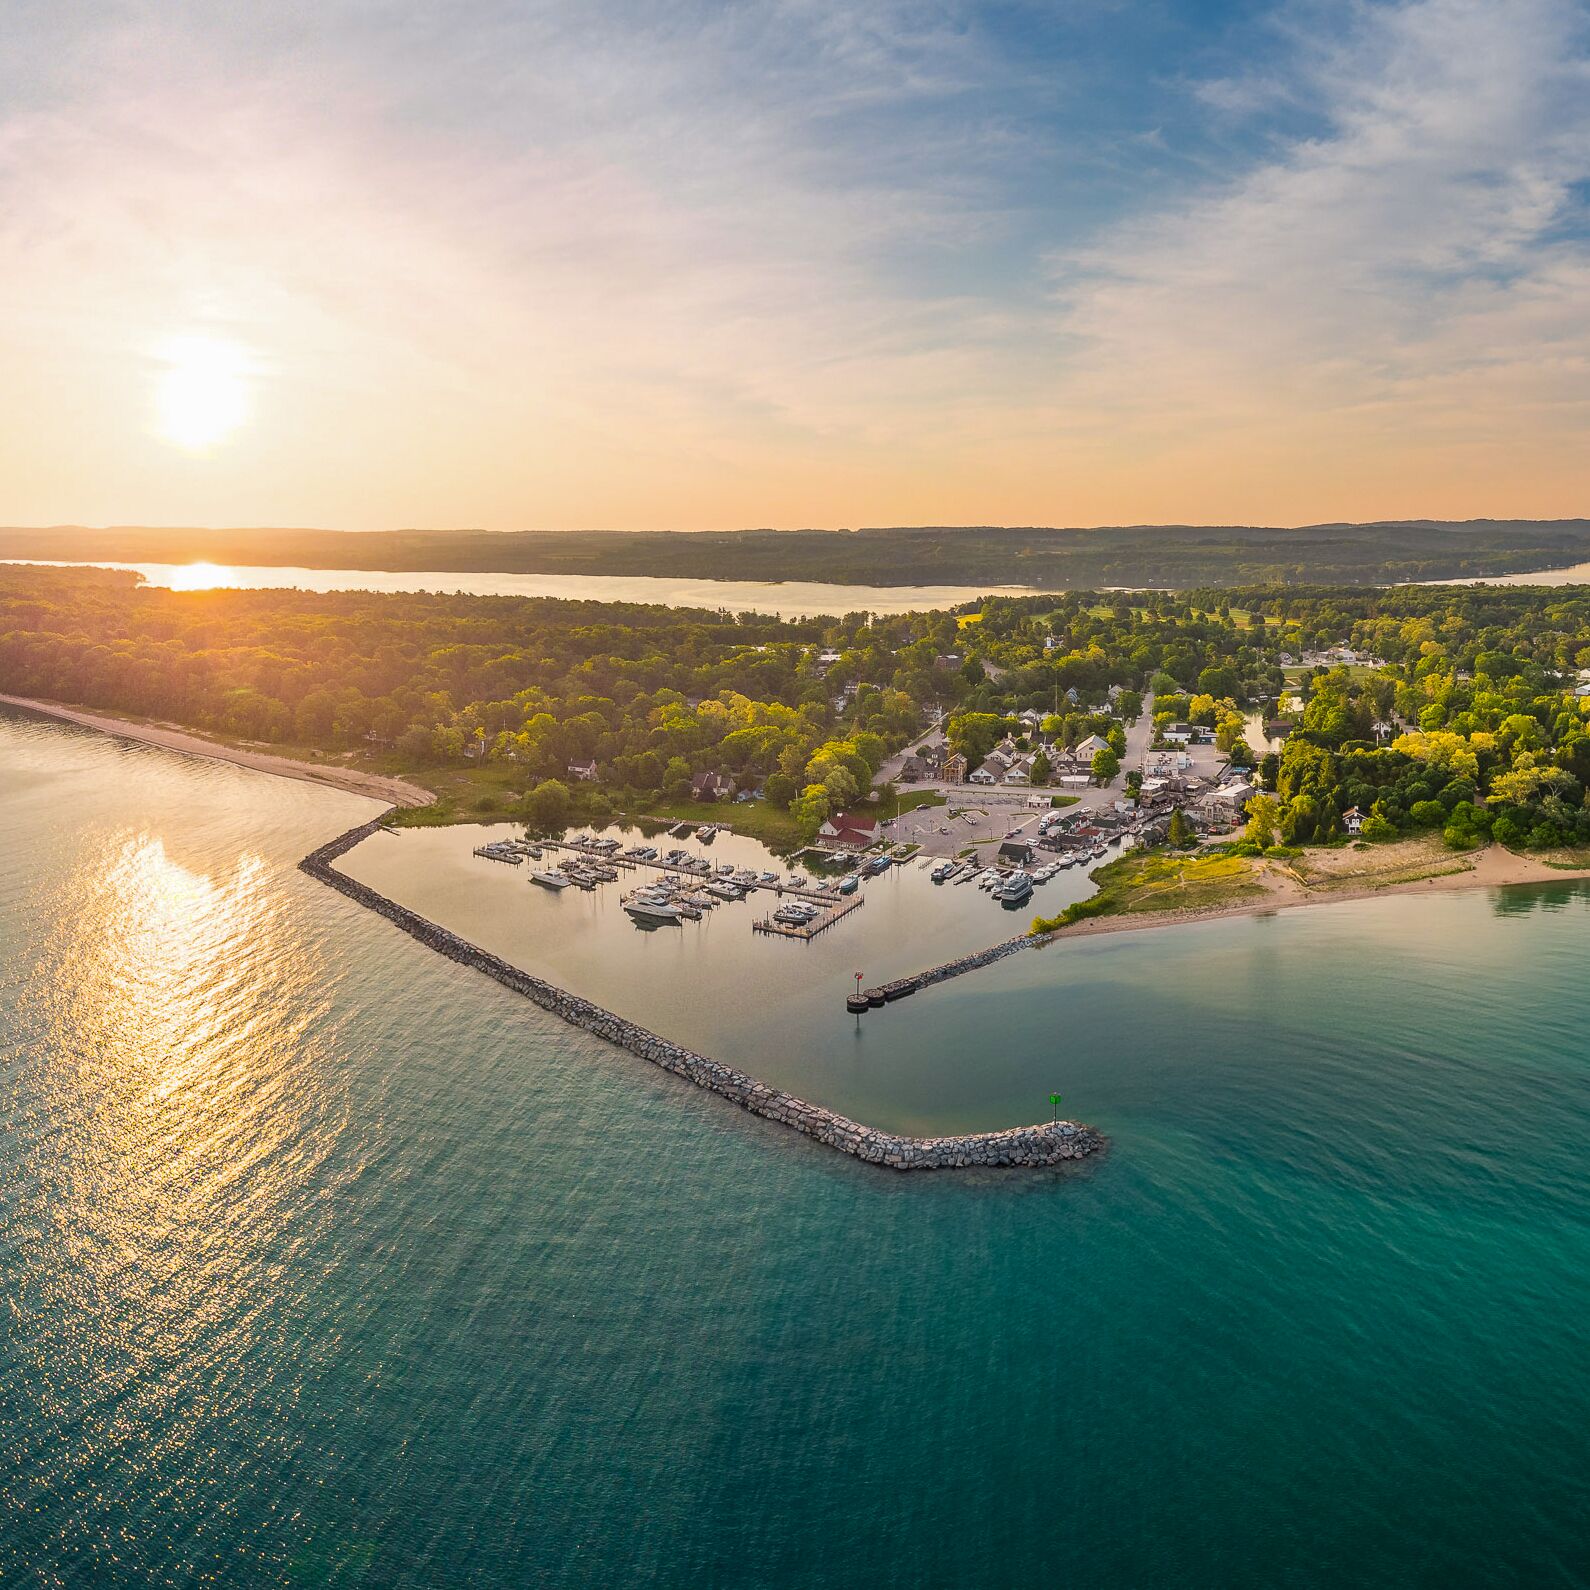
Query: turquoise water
(324, 1261)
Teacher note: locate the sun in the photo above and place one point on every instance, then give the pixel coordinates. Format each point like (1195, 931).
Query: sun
(202, 391)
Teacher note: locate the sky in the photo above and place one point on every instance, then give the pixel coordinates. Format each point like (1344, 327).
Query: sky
(655, 264)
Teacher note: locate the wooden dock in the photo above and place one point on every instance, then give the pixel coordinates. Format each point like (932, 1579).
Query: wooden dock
(818, 896)
(810, 930)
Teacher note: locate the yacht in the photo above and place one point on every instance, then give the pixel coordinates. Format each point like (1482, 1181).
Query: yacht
(652, 910)
(849, 885)
(942, 871)
(724, 890)
(1016, 888)
(551, 879)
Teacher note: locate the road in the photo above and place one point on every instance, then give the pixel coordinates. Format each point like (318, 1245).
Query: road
(988, 815)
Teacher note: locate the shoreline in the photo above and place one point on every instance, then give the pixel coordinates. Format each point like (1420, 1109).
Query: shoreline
(1495, 868)
(355, 781)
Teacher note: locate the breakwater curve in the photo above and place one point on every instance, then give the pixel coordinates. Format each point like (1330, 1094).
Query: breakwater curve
(1048, 1143)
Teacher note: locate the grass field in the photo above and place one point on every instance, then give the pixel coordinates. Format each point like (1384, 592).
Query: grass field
(1155, 880)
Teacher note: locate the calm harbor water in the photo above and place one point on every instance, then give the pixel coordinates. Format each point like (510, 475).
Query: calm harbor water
(325, 1261)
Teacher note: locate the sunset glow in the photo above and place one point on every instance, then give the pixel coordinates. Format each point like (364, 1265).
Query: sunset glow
(608, 266)
(201, 394)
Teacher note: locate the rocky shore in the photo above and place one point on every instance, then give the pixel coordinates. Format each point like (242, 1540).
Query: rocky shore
(1048, 1143)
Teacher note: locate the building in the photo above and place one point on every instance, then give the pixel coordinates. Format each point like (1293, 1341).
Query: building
(1231, 799)
(1016, 850)
(955, 768)
(711, 786)
(1353, 820)
(850, 829)
(582, 770)
(1089, 748)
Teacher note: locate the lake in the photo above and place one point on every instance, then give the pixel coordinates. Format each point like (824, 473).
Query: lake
(786, 599)
(326, 1261)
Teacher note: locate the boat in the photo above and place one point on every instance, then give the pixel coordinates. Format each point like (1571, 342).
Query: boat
(942, 871)
(1015, 889)
(652, 910)
(849, 885)
(707, 832)
(551, 879)
(766, 877)
(795, 914)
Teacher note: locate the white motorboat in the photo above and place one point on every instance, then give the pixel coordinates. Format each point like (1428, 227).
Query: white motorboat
(550, 878)
(652, 910)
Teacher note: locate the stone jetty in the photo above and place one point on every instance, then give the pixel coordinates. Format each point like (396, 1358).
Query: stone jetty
(886, 993)
(1048, 1143)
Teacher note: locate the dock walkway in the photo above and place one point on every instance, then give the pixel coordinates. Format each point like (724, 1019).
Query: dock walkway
(809, 930)
(816, 896)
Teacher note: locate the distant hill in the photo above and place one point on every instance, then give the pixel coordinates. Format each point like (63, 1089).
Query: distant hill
(1173, 556)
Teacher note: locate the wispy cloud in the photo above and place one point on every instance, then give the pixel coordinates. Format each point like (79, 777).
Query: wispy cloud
(1403, 278)
(795, 261)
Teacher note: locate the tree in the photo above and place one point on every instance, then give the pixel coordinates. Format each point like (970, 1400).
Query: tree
(810, 809)
(974, 734)
(1181, 834)
(1264, 816)
(547, 806)
(1106, 764)
(676, 778)
(1041, 768)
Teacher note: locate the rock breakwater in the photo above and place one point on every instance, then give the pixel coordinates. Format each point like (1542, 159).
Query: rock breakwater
(1048, 1143)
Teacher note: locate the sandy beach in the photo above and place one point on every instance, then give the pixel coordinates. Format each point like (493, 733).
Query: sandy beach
(1494, 867)
(394, 791)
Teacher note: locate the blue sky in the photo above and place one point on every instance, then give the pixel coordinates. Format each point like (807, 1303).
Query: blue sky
(799, 262)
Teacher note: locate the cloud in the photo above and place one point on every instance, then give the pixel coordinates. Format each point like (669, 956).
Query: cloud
(1409, 266)
(793, 262)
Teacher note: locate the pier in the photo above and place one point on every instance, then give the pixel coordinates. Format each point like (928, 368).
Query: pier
(809, 930)
(818, 896)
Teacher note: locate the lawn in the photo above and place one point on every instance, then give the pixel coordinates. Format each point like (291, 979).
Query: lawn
(1163, 880)
(919, 798)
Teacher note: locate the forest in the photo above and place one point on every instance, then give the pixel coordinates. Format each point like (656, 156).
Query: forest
(1167, 557)
(1464, 709)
